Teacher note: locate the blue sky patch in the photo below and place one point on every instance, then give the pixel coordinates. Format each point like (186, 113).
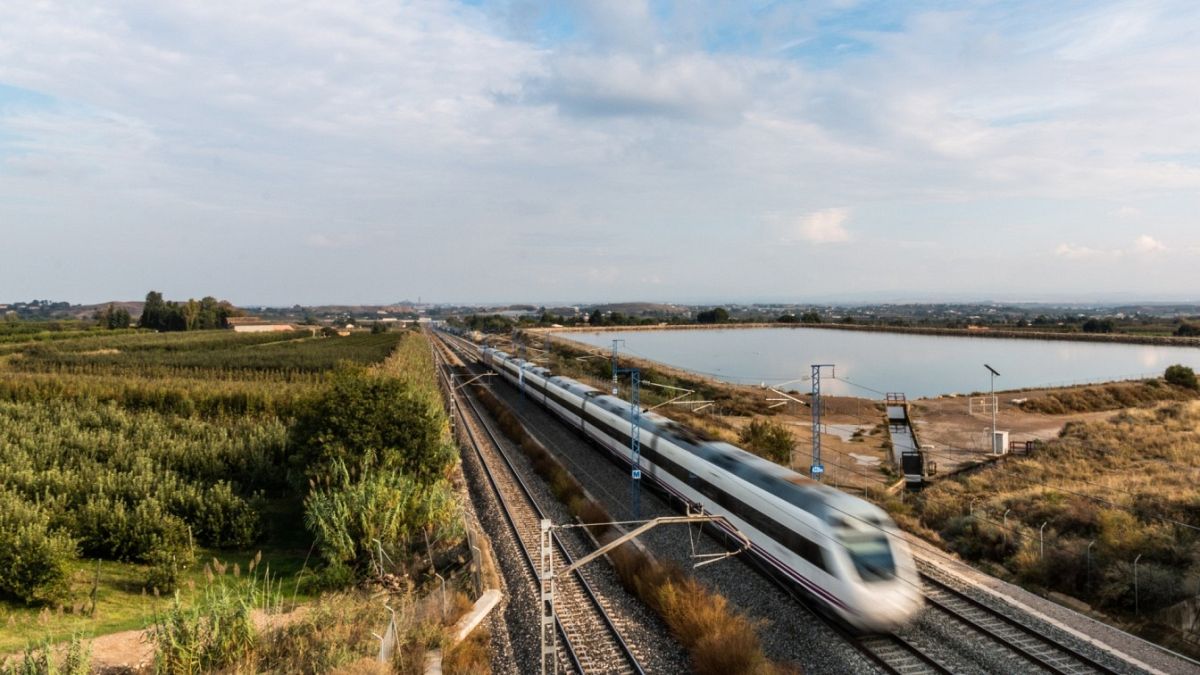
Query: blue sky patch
(12, 98)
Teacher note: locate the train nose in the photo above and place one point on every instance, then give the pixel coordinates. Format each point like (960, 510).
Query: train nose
(892, 609)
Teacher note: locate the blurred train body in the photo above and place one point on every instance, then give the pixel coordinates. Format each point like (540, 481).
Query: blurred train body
(841, 551)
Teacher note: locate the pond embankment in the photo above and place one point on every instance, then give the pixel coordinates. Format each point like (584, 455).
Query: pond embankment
(1111, 338)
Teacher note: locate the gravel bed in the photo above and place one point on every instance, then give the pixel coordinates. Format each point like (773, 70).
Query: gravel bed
(788, 630)
(1167, 661)
(513, 624)
(641, 628)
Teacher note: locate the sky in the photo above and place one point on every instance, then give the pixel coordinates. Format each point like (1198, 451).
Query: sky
(368, 151)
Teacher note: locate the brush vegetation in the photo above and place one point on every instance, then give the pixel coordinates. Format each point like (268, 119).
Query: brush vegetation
(1175, 385)
(1128, 483)
(243, 622)
(768, 439)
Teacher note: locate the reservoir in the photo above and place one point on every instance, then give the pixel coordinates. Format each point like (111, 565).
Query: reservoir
(869, 363)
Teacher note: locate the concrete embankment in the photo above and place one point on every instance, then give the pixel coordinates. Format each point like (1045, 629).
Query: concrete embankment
(1113, 338)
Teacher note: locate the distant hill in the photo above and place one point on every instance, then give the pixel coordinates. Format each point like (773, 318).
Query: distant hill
(134, 307)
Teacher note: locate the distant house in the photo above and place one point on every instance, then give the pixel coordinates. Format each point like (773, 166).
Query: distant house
(253, 324)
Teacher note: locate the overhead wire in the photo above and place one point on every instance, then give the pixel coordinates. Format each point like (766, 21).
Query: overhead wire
(1042, 483)
(1025, 477)
(919, 544)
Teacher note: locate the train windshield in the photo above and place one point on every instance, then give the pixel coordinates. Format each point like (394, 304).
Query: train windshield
(872, 555)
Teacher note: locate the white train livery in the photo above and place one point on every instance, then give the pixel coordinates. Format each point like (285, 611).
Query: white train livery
(842, 551)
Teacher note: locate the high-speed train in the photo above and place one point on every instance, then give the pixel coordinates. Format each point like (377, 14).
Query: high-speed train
(844, 552)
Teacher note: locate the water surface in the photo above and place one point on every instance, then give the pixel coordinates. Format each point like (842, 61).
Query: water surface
(869, 363)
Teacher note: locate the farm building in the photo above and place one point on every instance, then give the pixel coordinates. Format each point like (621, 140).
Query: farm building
(251, 324)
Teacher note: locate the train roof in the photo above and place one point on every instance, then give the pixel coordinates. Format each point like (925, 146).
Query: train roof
(820, 500)
(781, 482)
(573, 386)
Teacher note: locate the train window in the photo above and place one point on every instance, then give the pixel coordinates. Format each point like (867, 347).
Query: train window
(687, 434)
(871, 554)
(812, 552)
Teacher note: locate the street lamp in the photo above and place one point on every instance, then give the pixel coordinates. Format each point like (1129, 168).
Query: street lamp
(1137, 605)
(993, 378)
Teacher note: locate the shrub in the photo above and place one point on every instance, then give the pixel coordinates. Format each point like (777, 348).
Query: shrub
(107, 528)
(1061, 567)
(979, 540)
(166, 566)
(1181, 376)
(472, 655)
(34, 558)
(719, 640)
(770, 440)
(1157, 586)
(369, 423)
(1186, 329)
(208, 637)
(391, 507)
(218, 517)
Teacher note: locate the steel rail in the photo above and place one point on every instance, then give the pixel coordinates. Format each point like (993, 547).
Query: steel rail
(873, 647)
(536, 508)
(882, 651)
(1042, 660)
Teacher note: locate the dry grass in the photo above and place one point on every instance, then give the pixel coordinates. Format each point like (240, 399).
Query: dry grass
(1107, 397)
(336, 635)
(472, 656)
(1119, 482)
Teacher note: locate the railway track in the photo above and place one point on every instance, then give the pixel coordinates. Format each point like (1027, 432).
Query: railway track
(1026, 642)
(1026, 649)
(590, 640)
(896, 656)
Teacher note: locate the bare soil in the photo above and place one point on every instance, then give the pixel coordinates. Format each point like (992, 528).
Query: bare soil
(960, 436)
(131, 651)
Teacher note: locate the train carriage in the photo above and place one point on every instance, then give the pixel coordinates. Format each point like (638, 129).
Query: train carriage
(840, 550)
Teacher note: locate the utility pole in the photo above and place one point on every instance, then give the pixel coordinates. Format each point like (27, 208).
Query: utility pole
(519, 344)
(548, 633)
(635, 422)
(817, 468)
(1137, 602)
(615, 390)
(993, 376)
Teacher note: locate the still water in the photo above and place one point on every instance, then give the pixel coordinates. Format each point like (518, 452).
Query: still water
(867, 363)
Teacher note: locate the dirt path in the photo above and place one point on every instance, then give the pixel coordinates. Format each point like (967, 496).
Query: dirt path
(131, 651)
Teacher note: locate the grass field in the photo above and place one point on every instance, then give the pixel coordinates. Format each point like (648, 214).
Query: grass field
(129, 459)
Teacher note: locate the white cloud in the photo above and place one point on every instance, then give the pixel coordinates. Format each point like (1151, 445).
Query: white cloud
(333, 241)
(1074, 252)
(827, 226)
(1148, 244)
(1144, 244)
(187, 125)
(691, 86)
